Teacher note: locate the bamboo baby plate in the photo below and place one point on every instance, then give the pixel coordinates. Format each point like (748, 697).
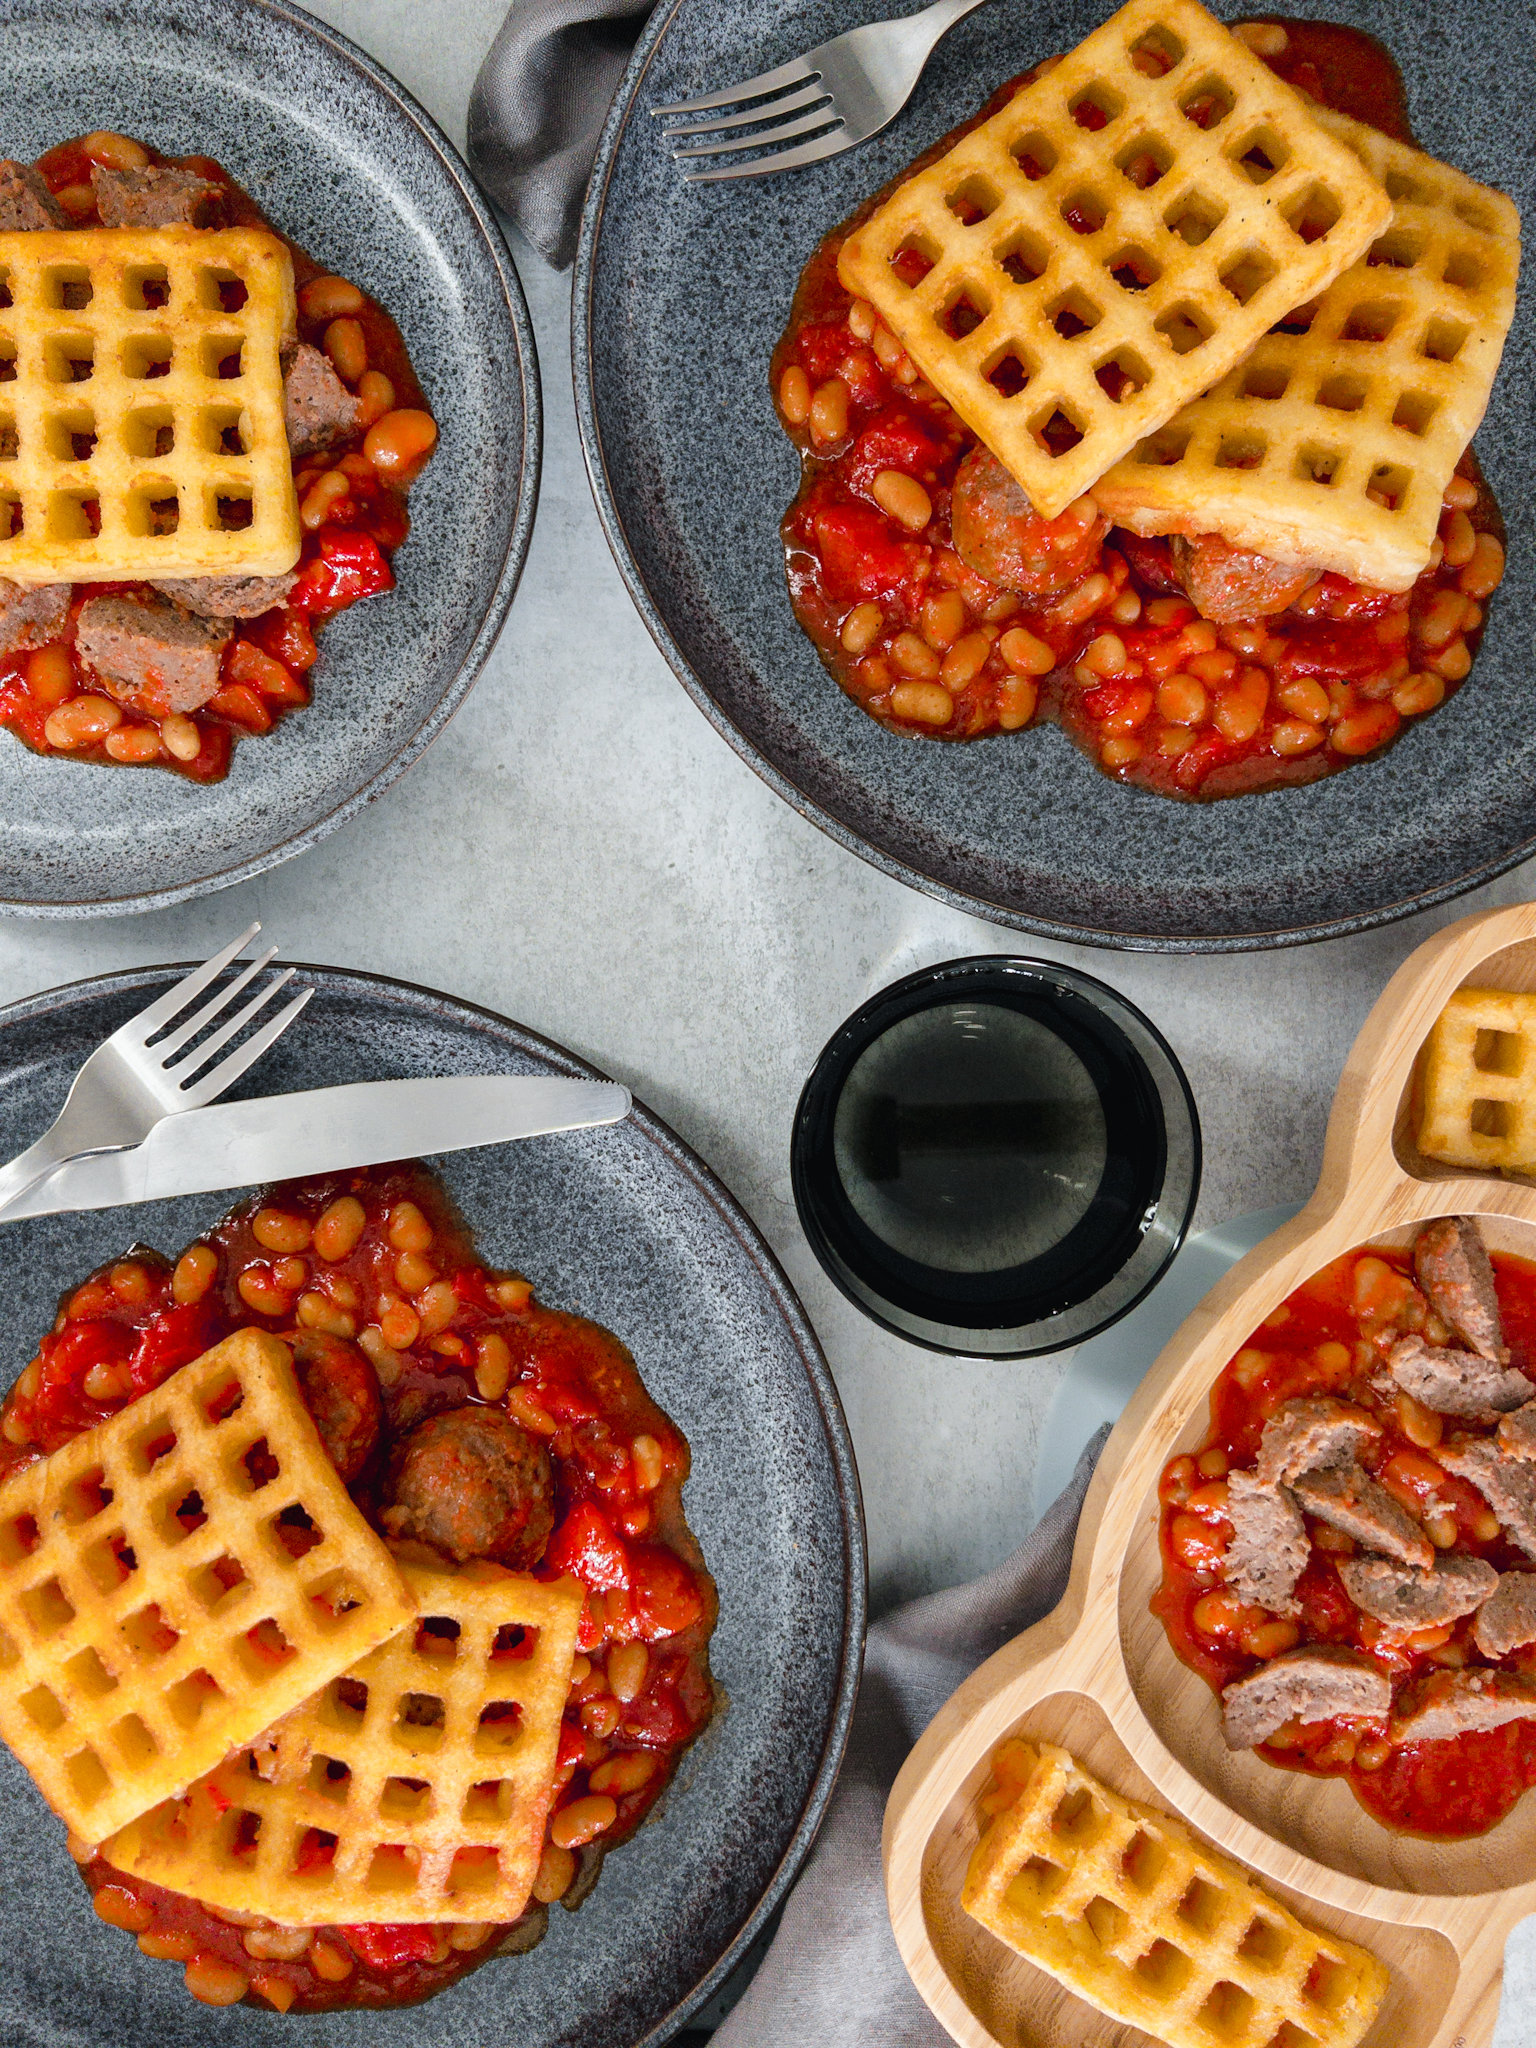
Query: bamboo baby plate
(1099, 1676)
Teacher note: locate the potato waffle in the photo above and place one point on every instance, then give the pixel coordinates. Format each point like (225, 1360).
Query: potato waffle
(1333, 442)
(1134, 1914)
(429, 1766)
(141, 419)
(1092, 239)
(139, 1645)
(1478, 1082)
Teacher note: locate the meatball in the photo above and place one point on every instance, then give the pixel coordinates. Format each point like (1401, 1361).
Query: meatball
(341, 1391)
(999, 534)
(471, 1483)
(1230, 585)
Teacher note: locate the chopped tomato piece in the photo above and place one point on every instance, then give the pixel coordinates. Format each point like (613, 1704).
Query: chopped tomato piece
(346, 567)
(585, 1544)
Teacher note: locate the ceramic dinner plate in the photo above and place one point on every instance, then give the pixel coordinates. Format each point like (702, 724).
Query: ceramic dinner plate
(624, 1225)
(343, 159)
(680, 294)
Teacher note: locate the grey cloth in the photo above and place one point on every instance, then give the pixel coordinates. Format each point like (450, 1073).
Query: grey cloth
(538, 107)
(833, 1976)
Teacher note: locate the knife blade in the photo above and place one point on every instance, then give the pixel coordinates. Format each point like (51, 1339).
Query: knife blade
(323, 1130)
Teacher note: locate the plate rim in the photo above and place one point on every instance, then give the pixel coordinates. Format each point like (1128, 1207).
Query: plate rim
(626, 103)
(694, 1169)
(405, 106)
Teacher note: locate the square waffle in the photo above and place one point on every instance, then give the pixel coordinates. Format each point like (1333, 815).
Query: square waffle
(1129, 1910)
(1093, 238)
(1333, 442)
(1478, 1082)
(136, 1651)
(141, 419)
(414, 1788)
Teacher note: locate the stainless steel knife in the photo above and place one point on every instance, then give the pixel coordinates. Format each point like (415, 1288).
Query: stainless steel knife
(323, 1130)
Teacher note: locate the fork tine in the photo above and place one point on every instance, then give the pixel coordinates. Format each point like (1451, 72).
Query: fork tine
(176, 999)
(817, 118)
(805, 97)
(183, 1034)
(793, 73)
(199, 1056)
(811, 152)
(228, 1071)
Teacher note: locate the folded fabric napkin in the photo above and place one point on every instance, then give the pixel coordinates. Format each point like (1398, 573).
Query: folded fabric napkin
(538, 107)
(833, 1976)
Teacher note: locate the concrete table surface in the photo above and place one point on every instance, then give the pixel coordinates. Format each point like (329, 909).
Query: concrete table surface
(581, 852)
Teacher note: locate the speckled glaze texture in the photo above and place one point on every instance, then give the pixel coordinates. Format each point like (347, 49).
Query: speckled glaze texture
(625, 1225)
(680, 294)
(344, 160)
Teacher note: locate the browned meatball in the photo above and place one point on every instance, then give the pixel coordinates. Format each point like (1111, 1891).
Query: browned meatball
(341, 1391)
(999, 534)
(1229, 585)
(471, 1483)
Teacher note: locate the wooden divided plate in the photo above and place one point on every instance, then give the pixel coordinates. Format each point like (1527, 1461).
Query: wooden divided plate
(1099, 1676)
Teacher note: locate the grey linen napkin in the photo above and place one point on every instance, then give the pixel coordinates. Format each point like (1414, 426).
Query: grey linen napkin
(833, 1977)
(538, 107)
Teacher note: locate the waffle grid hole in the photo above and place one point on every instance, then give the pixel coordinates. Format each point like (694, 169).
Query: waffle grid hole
(1227, 2011)
(1133, 269)
(148, 1636)
(1106, 1921)
(1164, 1970)
(912, 259)
(1316, 464)
(149, 431)
(1072, 313)
(1209, 103)
(963, 312)
(1265, 1944)
(1035, 154)
(973, 200)
(1497, 1052)
(1388, 486)
(187, 1698)
(69, 358)
(1489, 1119)
(1400, 248)
(1241, 449)
(1247, 276)
(407, 1799)
(1143, 162)
(70, 435)
(1259, 154)
(146, 288)
(1372, 320)
(42, 1709)
(1265, 380)
(1202, 1907)
(1463, 271)
(1085, 210)
(1096, 106)
(1156, 52)
(1023, 257)
(499, 1728)
(1184, 327)
(1313, 213)
(1444, 340)
(47, 1608)
(134, 1741)
(1342, 393)
(153, 511)
(212, 1584)
(1194, 217)
(221, 290)
(1056, 429)
(1121, 375)
(109, 1561)
(147, 355)
(18, 1538)
(67, 286)
(1165, 448)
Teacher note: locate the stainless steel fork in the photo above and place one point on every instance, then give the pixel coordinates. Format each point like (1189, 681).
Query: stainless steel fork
(848, 89)
(128, 1084)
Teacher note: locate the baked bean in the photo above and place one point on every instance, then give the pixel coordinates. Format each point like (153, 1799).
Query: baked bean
(1269, 1637)
(601, 1716)
(914, 657)
(78, 201)
(182, 739)
(493, 1366)
(339, 1228)
(109, 1380)
(276, 1944)
(1339, 1749)
(194, 1274)
(1212, 1464)
(649, 1467)
(862, 628)
(1461, 493)
(260, 1291)
(626, 1773)
(1198, 637)
(316, 1312)
(1441, 1530)
(50, 674)
(1223, 1613)
(1485, 571)
(1105, 654)
(280, 1231)
(169, 1948)
(1295, 736)
(1333, 1358)
(795, 396)
(888, 350)
(1451, 1656)
(408, 1229)
(1182, 700)
(215, 1982)
(134, 744)
(1134, 709)
(924, 703)
(1264, 38)
(81, 721)
(1082, 603)
(1472, 617)
(1421, 1425)
(524, 1407)
(582, 1821)
(399, 1323)
(324, 297)
(1016, 699)
(942, 619)
(965, 660)
(1241, 705)
(1442, 619)
(1485, 1525)
(1334, 1539)
(829, 413)
(1174, 740)
(328, 1959)
(347, 348)
(1211, 1500)
(130, 1283)
(1417, 694)
(1453, 662)
(1197, 1544)
(1214, 667)
(1126, 609)
(552, 1880)
(1025, 653)
(437, 1307)
(115, 152)
(413, 1272)
(903, 498)
(375, 397)
(322, 498)
(290, 1273)
(120, 1907)
(1123, 751)
(1304, 698)
(400, 443)
(1459, 539)
(628, 1668)
(1363, 731)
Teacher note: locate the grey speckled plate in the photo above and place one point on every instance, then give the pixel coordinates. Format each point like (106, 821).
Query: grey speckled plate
(681, 292)
(625, 1225)
(345, 161)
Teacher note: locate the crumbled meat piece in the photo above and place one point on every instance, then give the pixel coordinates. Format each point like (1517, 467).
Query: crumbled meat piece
(31, 617)
(1348, 1499)
(317, 406)
(471, 1483)
(1454, 1270)
(228, 597)
(25, 201)
(1507, 1484)
(158, 197)
(998, 533)
(1517, 1432)
(1507, 1619)
(155, 657)
(1312, 1683)
(1228, 585)
(1407, 1599)
(1308, 1434)
(1269, 1548)
(1456, 1382)
(1454, 1702)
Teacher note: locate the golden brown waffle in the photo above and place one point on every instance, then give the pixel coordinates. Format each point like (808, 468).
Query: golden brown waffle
(1333, 443)
(1132, 1912)
(1144, 256)
(123, 411)
(430, 1773)
(1479, 1082)
(136, 1651)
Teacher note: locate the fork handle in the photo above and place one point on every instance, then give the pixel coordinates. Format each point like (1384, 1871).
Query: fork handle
(934, 22)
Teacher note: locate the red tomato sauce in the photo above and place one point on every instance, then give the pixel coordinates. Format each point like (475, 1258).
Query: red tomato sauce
(266, 664)
(619, 1464)
(1278, 700)
(1325, 1339)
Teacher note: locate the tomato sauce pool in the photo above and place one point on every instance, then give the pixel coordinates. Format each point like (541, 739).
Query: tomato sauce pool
(1109, 648)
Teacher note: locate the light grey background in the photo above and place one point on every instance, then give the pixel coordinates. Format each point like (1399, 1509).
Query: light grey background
(581, 852)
